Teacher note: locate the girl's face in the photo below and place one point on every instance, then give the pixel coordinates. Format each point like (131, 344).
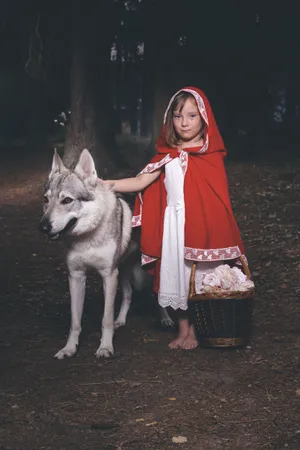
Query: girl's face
(188, 122)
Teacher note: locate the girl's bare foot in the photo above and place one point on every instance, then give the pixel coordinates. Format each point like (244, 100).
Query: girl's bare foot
(178, 342)
(190, 341)
(183, 333)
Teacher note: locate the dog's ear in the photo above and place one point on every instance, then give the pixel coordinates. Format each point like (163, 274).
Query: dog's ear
(57, 164)
(85, 167)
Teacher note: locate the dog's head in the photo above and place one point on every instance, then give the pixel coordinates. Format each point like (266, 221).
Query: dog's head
(69, 198)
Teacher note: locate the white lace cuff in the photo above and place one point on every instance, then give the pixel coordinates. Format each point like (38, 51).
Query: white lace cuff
(174, 301)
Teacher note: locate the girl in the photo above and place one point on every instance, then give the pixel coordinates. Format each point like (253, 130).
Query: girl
(183, 205)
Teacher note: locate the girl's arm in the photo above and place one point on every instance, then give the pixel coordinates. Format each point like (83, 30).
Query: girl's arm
(135, 184)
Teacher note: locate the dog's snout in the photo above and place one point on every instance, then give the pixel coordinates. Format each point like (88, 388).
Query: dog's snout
(45, 226)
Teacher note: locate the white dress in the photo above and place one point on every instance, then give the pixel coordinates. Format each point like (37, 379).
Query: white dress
(175, 270)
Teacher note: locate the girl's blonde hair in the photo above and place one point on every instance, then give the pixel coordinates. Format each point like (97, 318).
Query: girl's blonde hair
(178, 103)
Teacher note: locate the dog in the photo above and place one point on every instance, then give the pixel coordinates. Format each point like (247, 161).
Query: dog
(95, 224)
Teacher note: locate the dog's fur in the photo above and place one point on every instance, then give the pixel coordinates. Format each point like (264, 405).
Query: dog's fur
(96, 226)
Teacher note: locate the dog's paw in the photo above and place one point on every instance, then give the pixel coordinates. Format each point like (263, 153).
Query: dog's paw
(167, 323)
(119, 323)
(104, 352)
(66, 351)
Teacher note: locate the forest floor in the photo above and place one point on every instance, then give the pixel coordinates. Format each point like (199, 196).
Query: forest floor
(147, 395)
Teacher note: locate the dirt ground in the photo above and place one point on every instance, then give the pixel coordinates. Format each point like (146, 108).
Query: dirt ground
(146, 394)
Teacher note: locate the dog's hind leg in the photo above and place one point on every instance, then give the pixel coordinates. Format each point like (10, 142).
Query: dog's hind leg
(126, 301)
(77, 281)
(110, 284)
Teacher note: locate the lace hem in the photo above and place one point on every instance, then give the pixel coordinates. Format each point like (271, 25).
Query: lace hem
(174, 301)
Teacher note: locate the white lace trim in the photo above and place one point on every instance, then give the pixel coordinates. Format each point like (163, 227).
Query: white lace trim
(205, 146)
(173, 300)
(202, 110)
(216, 254)
(183, 157)
(197, 254)
(199, 101)
(151, 167)
(145, 259)
(136, 221)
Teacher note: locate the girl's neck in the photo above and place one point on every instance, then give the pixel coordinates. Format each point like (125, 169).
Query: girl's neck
(190, 144)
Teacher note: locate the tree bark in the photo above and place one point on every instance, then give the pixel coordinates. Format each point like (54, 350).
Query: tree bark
(161, 65)
(92, 117)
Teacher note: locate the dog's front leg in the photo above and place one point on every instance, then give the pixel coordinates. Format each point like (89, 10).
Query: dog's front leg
(77, 280)
(110, 283)
(126, 301)
(165, 319)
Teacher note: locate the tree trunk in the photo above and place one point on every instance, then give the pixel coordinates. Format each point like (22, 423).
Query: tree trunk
(81, 131)
(34, 140)
(162, 65)
(92, 117)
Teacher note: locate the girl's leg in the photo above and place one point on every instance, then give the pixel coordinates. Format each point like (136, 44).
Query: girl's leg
(183, 323)
(186, 338)
(190, 341)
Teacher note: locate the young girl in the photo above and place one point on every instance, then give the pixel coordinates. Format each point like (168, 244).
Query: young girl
(183, 205)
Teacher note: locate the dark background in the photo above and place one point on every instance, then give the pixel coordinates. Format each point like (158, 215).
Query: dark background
(116, 63)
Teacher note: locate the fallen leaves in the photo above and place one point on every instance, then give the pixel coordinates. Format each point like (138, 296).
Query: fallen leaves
(148, 424)
(175, 439)
(151, 423)
(179, 439)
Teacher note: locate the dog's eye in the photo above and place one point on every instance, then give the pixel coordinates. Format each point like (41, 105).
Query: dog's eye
(66, 200)
(46, 200)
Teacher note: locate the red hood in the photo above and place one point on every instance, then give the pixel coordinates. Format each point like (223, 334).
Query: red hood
(213, 141)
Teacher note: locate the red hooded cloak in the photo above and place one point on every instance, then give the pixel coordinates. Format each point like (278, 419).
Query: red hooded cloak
(211, 231)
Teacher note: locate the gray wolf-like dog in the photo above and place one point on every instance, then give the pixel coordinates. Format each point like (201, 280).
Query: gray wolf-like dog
(96, 226)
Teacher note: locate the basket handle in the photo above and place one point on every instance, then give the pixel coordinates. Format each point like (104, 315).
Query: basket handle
(245, 266)
(193, 274)
(192, 280)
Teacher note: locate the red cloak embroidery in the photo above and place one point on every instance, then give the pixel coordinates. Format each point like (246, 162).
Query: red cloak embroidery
(211, 231)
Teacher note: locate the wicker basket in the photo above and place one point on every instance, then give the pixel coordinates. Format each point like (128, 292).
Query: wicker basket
(221, 318)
